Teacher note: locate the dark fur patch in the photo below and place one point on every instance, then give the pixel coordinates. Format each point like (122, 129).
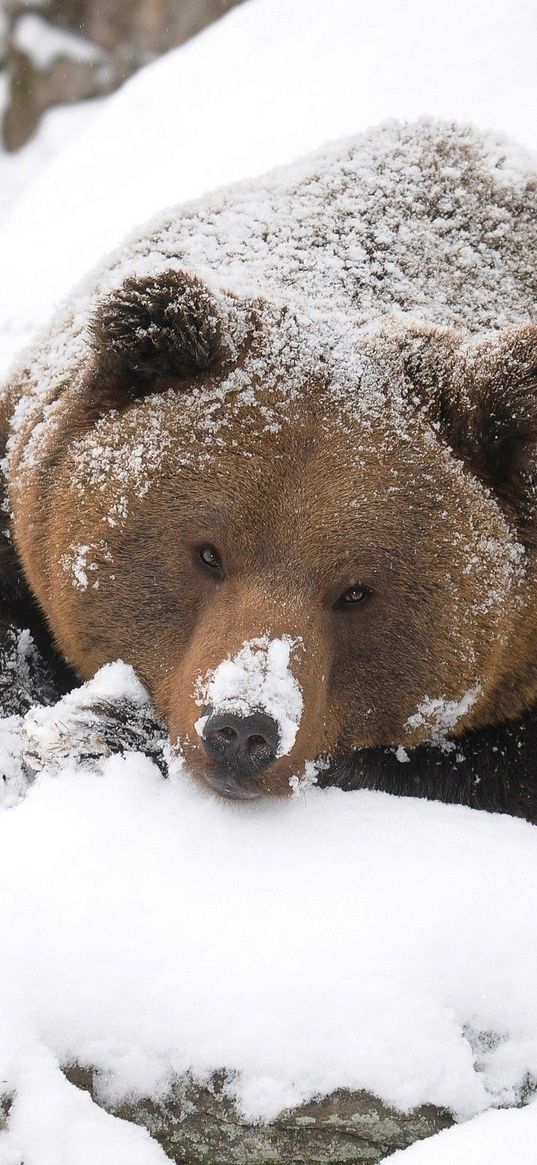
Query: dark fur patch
(492, 768)
(165, 325)
(484, 400)
(504, 390)
(106, 728)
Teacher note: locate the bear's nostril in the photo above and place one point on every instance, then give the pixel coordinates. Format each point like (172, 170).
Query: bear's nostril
(220, 741)
(259, 749)
(254, 740)
(245, 745)
(227, 734)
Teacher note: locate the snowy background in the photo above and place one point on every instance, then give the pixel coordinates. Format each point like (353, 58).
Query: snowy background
(335, 940)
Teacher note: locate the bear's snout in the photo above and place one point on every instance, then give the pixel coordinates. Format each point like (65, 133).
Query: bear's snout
(257, 714)
(241, 747)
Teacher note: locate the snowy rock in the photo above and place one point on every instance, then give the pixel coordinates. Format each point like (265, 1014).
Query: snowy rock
(45, 45)
(201, 1124)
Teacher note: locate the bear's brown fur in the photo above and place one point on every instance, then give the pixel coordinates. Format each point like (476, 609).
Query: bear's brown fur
(330, 379)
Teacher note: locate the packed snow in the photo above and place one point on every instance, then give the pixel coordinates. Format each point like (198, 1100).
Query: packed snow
(364, 941)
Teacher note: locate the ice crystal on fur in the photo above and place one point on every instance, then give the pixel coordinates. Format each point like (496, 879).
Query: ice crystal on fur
(109, 714)
(441, 716)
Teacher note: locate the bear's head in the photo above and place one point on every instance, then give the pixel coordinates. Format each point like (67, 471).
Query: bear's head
(308, 535)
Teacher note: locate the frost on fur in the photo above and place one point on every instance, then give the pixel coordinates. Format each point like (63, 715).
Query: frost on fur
(25, 678)
(158, 325)
(109, 714)
(440, 717)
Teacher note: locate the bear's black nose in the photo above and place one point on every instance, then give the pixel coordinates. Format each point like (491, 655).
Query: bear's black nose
(241, 746)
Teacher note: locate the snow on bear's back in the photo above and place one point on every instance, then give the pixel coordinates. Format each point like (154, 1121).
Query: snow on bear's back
(433, 219)
(430, 217)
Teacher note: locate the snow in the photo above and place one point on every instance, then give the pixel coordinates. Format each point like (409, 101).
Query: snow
(156, 914)
(494, 1138)
(442, 716)
(339, 67)
(45, 44)
(77, 563)
(13, 785)
(364, 941)
(258, 678)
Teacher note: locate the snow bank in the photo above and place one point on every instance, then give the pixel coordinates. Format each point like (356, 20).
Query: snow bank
(494, 1138)
(328, 941)
(267, 82)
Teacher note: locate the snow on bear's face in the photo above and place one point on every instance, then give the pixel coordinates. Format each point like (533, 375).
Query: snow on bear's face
(297, 544)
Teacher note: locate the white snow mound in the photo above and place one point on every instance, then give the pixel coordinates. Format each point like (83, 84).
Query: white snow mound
(336, 940)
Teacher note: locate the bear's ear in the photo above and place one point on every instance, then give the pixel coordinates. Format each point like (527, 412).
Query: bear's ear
(500, 382)
(168, 324)
(482, 395)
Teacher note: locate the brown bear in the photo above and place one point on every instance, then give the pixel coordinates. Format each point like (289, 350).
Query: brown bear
(279, 455)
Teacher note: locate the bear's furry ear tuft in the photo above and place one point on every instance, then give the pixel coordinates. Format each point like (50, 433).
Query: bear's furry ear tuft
(500, 383)
(169, 324)
(482, 395)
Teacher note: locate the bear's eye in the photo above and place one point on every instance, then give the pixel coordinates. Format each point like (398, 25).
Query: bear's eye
(211, 559)
(351, 598)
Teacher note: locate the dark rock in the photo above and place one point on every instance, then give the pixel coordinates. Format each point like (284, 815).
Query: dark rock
(5, 1105)
(200, 1125)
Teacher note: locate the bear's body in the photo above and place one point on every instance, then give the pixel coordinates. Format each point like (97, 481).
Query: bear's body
(279, 454)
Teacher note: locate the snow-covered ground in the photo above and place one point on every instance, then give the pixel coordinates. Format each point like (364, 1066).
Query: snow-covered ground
(331, 940)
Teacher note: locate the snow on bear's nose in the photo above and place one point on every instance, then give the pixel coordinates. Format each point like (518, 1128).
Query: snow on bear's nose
(256, 684)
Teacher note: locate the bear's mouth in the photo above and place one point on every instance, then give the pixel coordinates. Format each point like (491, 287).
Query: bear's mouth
(231, 786)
